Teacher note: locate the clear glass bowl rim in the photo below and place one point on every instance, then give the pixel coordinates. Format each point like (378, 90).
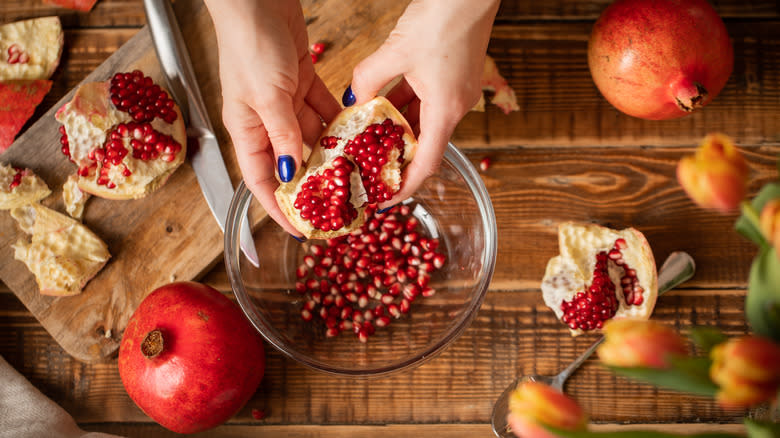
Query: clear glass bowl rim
(237, 212)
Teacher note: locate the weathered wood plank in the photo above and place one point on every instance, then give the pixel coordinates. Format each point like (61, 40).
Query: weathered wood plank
(383, 431)
(514, 333)
(547, 66)
(106, 13)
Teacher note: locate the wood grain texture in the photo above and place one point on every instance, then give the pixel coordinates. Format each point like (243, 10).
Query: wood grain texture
(168, 235)
(513, 334)
(383, 431)
(560, 105)
(567, 155)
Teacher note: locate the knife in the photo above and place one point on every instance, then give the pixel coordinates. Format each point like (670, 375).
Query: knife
(205, 157)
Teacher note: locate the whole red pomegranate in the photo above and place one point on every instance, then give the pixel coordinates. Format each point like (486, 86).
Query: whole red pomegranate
(189, 358)
(659, 59)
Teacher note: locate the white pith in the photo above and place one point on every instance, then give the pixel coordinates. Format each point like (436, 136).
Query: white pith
(31, 188)
(40, 39)
(62, 253)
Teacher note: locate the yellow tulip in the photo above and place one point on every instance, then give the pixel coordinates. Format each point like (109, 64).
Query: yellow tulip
(639, 343)
(747, 370)
(534, 404)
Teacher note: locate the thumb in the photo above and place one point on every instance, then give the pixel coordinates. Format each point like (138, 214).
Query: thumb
(284, 132)
(376, 71)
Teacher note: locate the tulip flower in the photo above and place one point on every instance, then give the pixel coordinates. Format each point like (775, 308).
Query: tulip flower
(534, 405)
(747, 370)
(716, 177)
(770, 221)
(639, 343)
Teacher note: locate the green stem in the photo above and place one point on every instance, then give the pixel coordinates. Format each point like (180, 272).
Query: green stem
(751, 214)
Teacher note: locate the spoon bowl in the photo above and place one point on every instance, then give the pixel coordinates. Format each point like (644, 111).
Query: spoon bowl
(678, 268)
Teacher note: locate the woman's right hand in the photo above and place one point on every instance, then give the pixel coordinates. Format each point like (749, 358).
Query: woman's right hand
(272, 100)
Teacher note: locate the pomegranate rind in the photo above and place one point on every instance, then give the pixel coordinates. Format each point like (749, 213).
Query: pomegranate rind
(570, 272)
(504, 96)
(40, 38)
(88, 119)
(18, 100)
(62, 253)
(31, 188)
(348, 123)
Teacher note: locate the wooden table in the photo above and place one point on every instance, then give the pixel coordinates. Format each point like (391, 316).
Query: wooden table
(566, 155)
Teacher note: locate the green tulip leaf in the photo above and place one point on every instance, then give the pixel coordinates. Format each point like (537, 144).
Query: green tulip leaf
(747, 224)
(707, 337)
(760, 429)
(762, 305)
(686, 374)
(635, 434)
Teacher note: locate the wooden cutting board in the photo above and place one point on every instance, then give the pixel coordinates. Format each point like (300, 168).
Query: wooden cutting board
(168, 235)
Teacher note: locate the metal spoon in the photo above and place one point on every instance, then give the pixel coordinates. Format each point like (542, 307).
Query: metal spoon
(677, 268)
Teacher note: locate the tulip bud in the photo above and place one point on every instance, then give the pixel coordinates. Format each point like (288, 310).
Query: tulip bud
(747, 370)
(639, 343)
(716, 177)
(770, 221)
(533, 405)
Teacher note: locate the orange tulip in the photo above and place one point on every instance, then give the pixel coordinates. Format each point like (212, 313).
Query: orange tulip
(770, 221)
(716, 177)
(533, 405)
(747, 370)
(639, 343)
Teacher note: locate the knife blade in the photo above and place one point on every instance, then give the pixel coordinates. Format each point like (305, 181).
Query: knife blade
(205, 155)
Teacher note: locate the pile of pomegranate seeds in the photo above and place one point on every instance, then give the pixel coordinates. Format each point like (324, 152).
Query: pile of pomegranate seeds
(324, 198)
(17, 178)
(371, 150)
(589, 309)
(370, 277)
(140, 97)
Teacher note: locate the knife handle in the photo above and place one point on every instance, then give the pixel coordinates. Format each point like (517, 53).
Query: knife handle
(175, 61)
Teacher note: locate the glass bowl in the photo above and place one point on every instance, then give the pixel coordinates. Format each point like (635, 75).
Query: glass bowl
(452, 206)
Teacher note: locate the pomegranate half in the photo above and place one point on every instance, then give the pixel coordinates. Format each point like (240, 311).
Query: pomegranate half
(600, 274)
(189, 358)
(660, 59)
(356, 162)
(126, 136)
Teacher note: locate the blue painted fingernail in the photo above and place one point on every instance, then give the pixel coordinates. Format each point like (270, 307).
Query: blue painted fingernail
(386, 209)
(299, 239)
(286, 167)
(348, 99)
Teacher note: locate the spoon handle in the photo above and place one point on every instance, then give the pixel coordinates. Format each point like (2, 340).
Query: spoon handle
(677, 268)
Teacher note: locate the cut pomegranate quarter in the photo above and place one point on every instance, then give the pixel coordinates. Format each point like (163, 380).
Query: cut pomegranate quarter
(599, 275)
(356, 162)
(125, 135)
(19, 187)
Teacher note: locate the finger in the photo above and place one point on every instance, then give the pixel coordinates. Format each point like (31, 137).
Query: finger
(375, 72)
(435, 131)
(281, 123)
(311, 124)
(322, 101)
(255, 159)
(401, 94)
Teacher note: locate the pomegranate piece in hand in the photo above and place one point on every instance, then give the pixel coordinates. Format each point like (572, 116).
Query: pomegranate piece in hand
(20, 187)
(62, 253)
(125, 135)
(30, 49)
(356, 162)
(599, 275)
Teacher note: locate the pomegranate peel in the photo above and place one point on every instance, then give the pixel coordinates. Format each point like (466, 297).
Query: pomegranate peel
(30, 49)
(62, 253)
(18, 100)
(356, 162)
(125, 143)
(599, 275)
(503, 95)
(19, 187)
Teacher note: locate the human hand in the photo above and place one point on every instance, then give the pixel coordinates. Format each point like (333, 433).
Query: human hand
(439, 48)
(273, 101)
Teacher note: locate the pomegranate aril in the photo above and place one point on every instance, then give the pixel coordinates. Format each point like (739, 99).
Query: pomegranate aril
(138, 96)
